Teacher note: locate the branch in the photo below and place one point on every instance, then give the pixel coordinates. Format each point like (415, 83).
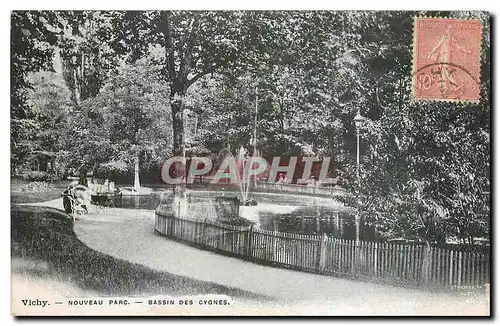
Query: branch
(186, 60)
(167, 34)
(377, 95)
(205, 72)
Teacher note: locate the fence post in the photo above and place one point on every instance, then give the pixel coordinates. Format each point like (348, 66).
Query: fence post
(358, 257)
(452, 255)
(426, 264)
(170, 226)
(274, 241)
(250, 244)
(203, 233)
(459, 273)
(322, 253)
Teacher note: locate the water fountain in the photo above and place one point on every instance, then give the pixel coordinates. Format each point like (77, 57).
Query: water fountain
(246, 206)
(269, 211)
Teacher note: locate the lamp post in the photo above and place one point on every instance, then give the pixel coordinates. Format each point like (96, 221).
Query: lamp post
(358, 121)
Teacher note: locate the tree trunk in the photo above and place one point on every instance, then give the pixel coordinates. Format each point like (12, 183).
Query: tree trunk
(83, 177)
(137, 183)
(177, 105)
(180, 201)
(53, 165)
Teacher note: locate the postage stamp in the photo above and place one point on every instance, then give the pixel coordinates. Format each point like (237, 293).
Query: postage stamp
(446, 59)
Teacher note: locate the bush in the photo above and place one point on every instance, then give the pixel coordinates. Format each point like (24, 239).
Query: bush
(39, 176)
(27, 221)
(113, 172)
(36, 186)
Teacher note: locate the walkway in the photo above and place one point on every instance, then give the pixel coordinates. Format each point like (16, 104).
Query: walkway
(129, 234)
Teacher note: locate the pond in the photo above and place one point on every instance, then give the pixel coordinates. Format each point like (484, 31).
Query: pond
(274, 212)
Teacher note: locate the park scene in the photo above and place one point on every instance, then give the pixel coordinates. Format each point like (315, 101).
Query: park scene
(276, 158)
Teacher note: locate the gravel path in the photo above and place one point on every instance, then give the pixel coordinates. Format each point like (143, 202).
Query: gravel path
(129, 234)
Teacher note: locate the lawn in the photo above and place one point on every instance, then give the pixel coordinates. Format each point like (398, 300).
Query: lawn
(45, 235)
(22, 191)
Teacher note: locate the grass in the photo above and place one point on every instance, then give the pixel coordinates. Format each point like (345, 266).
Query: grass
(17, 196)
(46, 235)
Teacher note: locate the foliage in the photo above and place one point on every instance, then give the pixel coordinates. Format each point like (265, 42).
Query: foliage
(128, 118)
(31, 51)
(39, 176)
(51, 107)
(86, 56)
(153, 83)
(34, 186)
(194, 44)
(425, 166)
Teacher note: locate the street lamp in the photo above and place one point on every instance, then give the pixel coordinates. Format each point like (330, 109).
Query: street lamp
(358, 121)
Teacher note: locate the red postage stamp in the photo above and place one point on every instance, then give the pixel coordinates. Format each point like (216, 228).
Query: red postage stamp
(446, 59)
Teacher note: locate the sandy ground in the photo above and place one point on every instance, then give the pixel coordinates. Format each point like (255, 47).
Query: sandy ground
(128, 234)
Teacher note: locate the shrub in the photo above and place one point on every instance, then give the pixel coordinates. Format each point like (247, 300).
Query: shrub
(39, 176)
(36, 186)
(113, 171)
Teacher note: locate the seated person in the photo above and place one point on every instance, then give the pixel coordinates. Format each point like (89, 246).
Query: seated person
(79, 194)
(82, 197)
(67, 201)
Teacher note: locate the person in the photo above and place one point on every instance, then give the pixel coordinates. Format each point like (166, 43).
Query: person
(94, 186)
(77, 193)
(105, 186)
(66, 199)
(82, 197)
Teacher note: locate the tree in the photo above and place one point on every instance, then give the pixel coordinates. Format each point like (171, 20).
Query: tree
(42, 39)
(31, 51)
(49, 101)
(86, 57)
(133, 117)
(425, 166)
(195, 44)
(309, 79)
(86, 60)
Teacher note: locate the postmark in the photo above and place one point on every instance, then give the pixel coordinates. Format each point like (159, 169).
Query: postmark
(446, 59)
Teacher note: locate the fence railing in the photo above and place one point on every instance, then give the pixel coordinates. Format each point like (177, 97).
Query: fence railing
(414, 264)
(303, 189)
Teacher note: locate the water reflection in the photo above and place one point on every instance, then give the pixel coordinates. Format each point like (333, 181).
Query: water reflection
(274, 212)
(333, 220)
(150, 201)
